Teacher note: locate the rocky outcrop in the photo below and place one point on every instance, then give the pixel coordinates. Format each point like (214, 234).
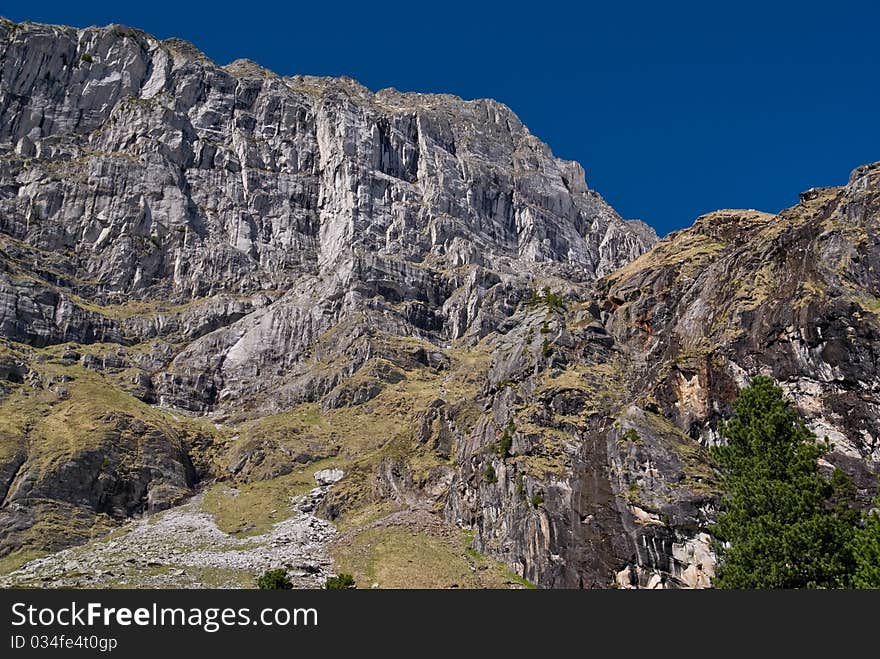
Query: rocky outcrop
(793, 296)
(77, 454)
(566, 478)
(629, 383)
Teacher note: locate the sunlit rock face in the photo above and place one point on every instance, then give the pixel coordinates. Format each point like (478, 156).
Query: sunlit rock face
(137, 169)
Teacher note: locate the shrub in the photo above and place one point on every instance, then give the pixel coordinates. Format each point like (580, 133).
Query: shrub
(520, 487)
(537, 500)
(489, 475)
(340, 582)
(632, 436)
(274, 580)
(553, 300)
(85, 57)
(504, 443)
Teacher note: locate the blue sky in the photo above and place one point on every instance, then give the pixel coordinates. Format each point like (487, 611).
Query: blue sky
(674, 109)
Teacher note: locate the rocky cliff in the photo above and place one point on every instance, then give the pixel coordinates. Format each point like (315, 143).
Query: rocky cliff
(218, 278)
(612, 398)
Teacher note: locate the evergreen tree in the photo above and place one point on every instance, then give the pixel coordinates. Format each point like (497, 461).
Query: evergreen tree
(276, 579)
(342, 581)
(783, 524)
(867, 549)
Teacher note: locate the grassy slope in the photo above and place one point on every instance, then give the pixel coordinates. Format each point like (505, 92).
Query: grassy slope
(52, 427)
(69, 412)
(397, 557)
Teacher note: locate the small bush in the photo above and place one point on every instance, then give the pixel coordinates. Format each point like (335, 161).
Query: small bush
(489, 475)
(553, 300)
(537, 500)
(520, 487)
(505, 442)
(274, 580)
(340, 582)
(632, 436)
(85, 57)
(546, 350)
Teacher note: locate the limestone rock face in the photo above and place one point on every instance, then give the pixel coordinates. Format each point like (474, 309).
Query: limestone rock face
(793, 296)
(136, 169)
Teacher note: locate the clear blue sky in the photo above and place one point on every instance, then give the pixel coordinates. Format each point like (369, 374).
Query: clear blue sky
(674, 109)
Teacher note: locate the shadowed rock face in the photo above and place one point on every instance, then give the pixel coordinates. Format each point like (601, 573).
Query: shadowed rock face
(218, 273)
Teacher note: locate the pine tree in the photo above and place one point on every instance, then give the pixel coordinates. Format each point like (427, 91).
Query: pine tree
(783, 524)
(276, 579)
(867, 549)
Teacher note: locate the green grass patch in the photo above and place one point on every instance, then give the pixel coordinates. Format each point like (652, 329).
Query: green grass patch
(871, 304)
(395, 557)
(11, 562)
(252, 508)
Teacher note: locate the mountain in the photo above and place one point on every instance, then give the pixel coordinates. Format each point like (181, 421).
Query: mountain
(216, 282)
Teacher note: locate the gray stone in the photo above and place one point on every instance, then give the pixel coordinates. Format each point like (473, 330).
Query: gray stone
(328, 476)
